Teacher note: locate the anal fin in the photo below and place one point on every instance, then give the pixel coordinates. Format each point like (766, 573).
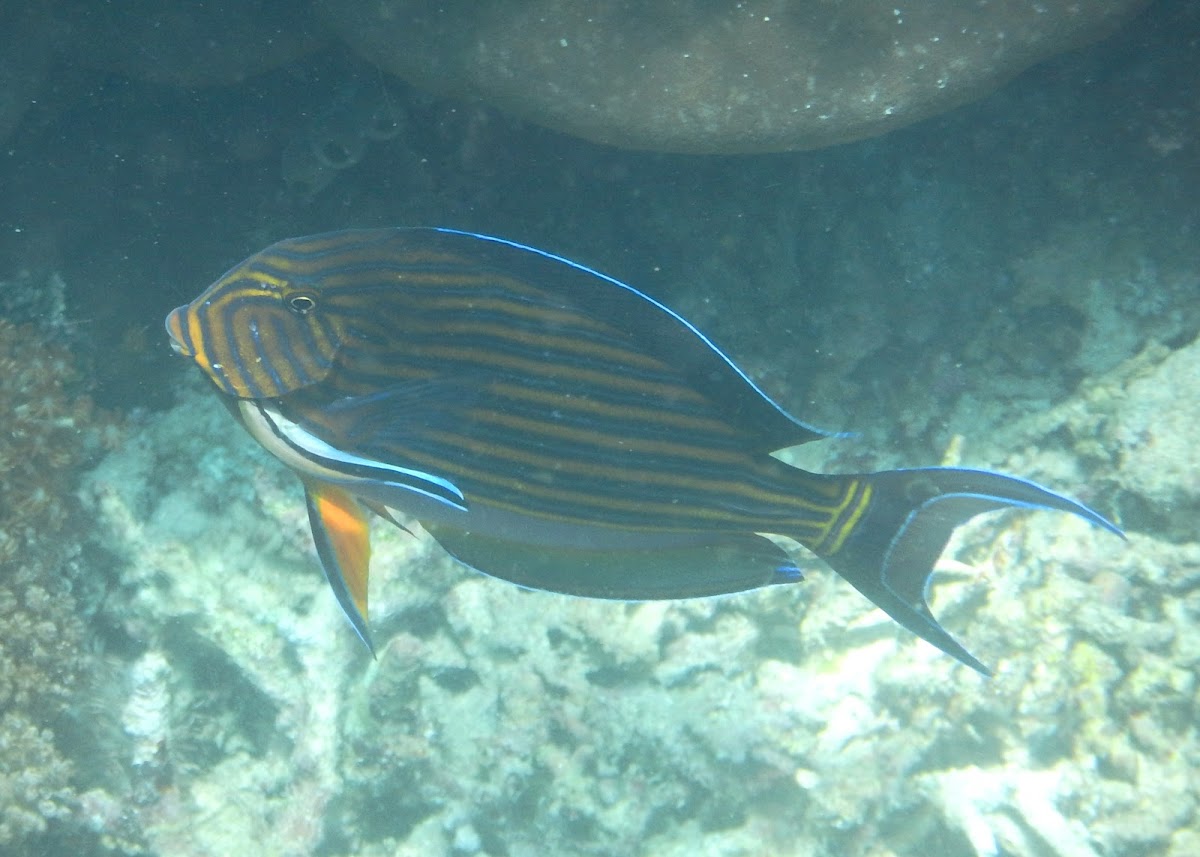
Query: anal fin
(725, 563)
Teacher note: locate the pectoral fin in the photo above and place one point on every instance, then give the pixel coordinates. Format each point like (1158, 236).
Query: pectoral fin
(341, 531)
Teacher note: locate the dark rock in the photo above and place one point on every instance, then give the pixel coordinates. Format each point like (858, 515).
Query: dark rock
(699, 76)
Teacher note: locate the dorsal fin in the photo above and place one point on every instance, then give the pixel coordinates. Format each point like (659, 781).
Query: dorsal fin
(657, 329)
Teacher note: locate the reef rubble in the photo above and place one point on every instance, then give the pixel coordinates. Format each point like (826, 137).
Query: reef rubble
(501, 721)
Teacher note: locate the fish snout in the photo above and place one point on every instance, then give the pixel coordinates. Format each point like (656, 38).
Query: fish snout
(176, 326)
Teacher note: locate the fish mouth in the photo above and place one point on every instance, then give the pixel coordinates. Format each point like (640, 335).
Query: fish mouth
(174, 325)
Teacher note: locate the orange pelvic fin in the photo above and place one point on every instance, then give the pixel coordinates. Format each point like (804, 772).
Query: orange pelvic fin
(341, 531)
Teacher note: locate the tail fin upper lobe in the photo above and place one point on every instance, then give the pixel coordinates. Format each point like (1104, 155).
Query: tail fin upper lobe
(890, 554)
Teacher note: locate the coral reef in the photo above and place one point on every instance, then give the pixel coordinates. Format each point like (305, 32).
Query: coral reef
(233, 709)
(793, 720)
(47, 433)
(43, 441)
(34, 784)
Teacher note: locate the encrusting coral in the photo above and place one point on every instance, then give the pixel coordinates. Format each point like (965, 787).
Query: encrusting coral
(41, 443)
(42, 649)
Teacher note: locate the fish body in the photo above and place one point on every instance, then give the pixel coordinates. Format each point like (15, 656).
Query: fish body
(549, 425)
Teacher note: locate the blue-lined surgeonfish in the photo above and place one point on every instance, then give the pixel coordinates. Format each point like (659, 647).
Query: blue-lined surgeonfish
(551, 426)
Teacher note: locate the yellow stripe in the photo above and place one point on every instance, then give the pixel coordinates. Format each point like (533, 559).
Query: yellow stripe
(848, 522)
(401, 271)
(270, 283)
(571, 345)
(214, 348)
(546, 314)
(310, 245)
(585, 404)
(239, 358)
(731, 525)
(537, 368)
(528, 484)
(835, 511)
(727, 522)
(196, 333)
(604, 439)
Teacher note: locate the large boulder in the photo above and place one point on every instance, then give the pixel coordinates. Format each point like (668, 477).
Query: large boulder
(705, 77)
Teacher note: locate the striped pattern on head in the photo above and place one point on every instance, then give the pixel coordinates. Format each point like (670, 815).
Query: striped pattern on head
(263, 330)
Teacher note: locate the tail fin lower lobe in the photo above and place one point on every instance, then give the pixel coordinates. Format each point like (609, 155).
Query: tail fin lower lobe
(890, 554)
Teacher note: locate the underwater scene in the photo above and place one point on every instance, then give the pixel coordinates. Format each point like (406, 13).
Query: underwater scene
(556, 428)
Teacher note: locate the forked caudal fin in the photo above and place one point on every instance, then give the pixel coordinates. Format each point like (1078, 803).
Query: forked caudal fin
(890, 553)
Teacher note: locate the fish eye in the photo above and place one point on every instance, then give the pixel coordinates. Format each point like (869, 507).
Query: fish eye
(302, 304)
